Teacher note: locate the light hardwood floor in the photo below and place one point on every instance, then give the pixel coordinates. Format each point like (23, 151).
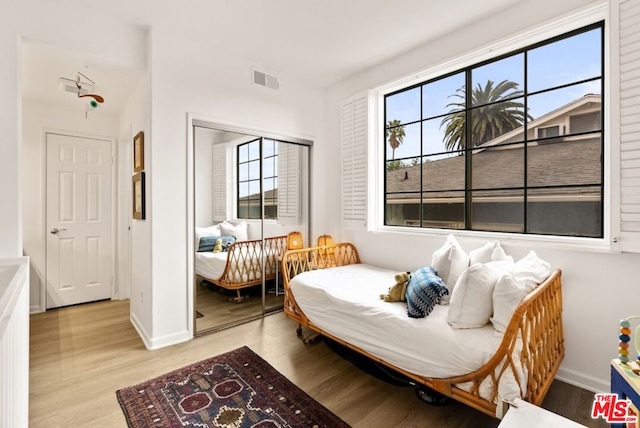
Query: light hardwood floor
(81, 355)
(213, 304)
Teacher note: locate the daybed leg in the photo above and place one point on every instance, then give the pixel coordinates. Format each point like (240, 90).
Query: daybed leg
(431, 396)
(311, 339)
(239, 298)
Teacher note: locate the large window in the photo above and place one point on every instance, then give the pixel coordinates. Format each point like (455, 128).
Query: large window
(257, 179)
(514, 144)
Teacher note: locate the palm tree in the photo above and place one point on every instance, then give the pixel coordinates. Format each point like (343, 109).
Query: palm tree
(395, 135)
(492, 119)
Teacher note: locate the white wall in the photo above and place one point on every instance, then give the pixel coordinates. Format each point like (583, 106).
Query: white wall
(599, 288)
(10, 220)
(134, 246)
(215, 85)
(36, 119)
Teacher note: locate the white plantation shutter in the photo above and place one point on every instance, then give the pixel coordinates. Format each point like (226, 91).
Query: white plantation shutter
(289, 183)
(354, 157)
(630, 125)
(219, 185)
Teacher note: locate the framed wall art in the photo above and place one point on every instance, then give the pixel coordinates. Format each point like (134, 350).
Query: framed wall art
(138, 196)
(138, 152)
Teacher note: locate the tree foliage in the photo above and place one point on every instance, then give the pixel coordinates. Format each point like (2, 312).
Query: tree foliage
(395, 135)
(497, 112)
(395, 165)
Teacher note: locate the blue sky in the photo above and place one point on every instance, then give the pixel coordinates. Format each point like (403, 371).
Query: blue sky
(566, 61)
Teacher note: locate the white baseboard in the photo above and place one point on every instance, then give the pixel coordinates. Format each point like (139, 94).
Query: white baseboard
(140, 329)
(36, 309)
(152, 343)
(169, 340)
(581, 380)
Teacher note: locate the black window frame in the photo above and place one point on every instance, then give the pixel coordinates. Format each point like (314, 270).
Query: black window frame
(270, 201)
(468, 189)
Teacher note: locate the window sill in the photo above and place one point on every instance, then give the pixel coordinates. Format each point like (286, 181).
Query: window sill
(591, 245)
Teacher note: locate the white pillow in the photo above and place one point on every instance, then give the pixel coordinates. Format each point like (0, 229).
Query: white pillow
(239, 230)
(201, 232)
(499, 255)
(471, 303)
(522, 278)
(531, 270)
(500, 261)
(507, 294)
(484, 253)
(449, 261)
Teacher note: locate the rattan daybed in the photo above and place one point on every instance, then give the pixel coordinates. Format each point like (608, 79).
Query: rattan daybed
(241, 265)
(525, 358)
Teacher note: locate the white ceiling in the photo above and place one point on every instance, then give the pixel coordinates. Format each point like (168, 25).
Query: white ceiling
(320, 42)
(44, 65)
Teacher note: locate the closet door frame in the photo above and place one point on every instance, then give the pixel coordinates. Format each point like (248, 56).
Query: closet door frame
(194, 120)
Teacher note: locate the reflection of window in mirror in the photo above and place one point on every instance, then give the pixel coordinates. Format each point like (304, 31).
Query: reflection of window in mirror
(268, 177)
(255, 171)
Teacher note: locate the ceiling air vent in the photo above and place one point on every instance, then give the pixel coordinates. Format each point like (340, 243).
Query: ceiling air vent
(265, 79)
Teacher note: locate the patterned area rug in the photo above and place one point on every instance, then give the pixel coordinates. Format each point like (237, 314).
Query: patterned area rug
(237, 389)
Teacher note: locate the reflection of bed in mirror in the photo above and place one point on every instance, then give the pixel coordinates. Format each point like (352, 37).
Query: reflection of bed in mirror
(242, 177)
(241, 265)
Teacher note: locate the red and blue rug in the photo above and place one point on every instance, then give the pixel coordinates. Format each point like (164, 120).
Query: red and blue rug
(237, 389)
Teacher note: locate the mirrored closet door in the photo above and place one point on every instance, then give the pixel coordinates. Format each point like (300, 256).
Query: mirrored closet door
(250, 192)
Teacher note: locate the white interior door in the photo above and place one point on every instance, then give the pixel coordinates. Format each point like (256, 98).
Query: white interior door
(79, 220)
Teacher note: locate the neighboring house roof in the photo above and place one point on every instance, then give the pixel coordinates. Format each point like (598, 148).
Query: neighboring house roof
(587, 102)
(563, 161)
(268, 195)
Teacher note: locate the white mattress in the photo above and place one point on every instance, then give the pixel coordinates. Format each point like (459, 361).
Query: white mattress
(345, 302)
(211, 265)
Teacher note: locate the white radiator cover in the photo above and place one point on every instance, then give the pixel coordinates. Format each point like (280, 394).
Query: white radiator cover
(14, 348)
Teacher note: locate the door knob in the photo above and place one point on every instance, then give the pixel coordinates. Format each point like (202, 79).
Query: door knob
(55, 230)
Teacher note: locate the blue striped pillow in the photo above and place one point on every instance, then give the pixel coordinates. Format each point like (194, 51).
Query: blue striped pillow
(424, 291)
(208, 242)
(227, 240)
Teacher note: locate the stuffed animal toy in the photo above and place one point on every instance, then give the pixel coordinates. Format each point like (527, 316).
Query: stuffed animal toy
(218, 247)
(397, 291)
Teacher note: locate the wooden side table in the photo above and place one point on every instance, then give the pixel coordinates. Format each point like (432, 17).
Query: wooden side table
(626, 383)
